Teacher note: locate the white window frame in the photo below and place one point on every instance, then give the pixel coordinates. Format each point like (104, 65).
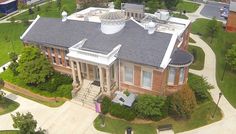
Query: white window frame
(141, 80)
(181, 75)
(168, 81)
(124, 72)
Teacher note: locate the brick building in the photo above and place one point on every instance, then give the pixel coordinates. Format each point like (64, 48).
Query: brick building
(231, 21)
(114, 52)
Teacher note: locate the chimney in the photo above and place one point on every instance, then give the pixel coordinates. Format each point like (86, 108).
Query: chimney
(64, 16)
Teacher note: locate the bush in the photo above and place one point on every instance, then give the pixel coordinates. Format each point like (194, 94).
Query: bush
(182, 103)
(122, 112)
(106, 103)
(200, 87)
(150, 107)
(64, 91)
(54, 82)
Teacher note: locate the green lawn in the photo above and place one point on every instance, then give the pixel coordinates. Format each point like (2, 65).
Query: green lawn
(50, 10)
(191, 40)
(200, 117)
(9, 132)
(199, 57)
(8, 106)
(178, 15)
(10, 40)
(220, 45)
(187, 6)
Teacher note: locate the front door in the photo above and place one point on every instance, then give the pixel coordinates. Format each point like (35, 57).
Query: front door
(96, 73)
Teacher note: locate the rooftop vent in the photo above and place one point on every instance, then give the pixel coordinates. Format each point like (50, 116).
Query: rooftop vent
(162, 15)
(64, 16)
(151, 27)
(112, 22)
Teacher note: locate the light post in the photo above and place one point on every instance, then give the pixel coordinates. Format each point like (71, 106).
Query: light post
(213, 115)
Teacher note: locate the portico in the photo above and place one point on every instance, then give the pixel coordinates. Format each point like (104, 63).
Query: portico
(100, 68)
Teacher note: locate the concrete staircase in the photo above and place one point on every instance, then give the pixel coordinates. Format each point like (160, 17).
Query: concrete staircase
(86, 95)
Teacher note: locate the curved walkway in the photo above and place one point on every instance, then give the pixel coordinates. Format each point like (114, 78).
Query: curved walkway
(227, 124)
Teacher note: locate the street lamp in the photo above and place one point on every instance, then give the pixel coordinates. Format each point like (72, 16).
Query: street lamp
(220, 94)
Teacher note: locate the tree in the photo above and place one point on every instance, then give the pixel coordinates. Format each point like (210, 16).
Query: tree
(13, 66)
(182, 103)
(117, 4)
(33, 67)
(231, 57)
(149, 107)
(26, 123)
(171, 4)
(212, 28)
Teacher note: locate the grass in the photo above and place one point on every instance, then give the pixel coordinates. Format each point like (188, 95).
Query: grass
(10, 40)
(50, 10)
(189, 7)
(178, 15)
(8, 106)
(199, 57)
(191, 40)
(200, 117)
(220, 45)
(9, 132)
(50, 104)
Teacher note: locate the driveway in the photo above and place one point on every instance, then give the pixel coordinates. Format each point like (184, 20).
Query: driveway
(212, 9)
(70, 118)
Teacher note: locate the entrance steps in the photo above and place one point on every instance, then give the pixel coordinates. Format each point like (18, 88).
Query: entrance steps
(87, 94)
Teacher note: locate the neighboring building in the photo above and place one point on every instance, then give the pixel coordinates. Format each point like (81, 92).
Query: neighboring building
(133, 10)
(100, 45)
(231, 21)
(8, 6)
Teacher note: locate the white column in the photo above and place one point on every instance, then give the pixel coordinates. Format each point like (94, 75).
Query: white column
(79, 72)
(73, 72)
(108, 80)
(101, 77)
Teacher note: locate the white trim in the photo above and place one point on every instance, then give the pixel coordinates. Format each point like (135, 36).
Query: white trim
(28, 29)
(141, 80)
(166, 60)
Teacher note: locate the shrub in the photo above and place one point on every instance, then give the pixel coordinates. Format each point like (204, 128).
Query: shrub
(64, 91)
(200, 87)
(122, 112)
(106, 103)
(182, 103)
(150, 107)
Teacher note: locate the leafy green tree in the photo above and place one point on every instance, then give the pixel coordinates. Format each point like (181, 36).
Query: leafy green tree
(106, 104)
(231, 57)
(212, 29)
(182, 103)
(200, 87)
(117, 4)
(13, 66)
(171, 4)
(33, 67)
(25, 123)
(13, 56)
(149, 107)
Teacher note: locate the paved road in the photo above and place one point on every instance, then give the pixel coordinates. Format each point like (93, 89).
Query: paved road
(212, 9)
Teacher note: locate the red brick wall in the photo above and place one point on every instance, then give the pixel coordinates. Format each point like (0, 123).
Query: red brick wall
(137, 75)
(231, 22)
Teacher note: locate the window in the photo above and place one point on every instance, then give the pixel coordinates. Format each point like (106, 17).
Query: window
(53, 59)
(83, 68)
(58, 52)
(171, 76)
(129, 73)
(52, 50)
(112, 72)
(146, 79)
(60, 61)
(181, 75)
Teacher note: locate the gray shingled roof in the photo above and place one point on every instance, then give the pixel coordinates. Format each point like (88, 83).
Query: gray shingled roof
(137, 45)
(132, 6)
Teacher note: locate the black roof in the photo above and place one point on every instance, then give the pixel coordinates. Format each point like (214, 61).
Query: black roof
(137, 45)
(181, 57)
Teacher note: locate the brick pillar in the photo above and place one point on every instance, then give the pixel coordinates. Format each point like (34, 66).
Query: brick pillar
(137, 75)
